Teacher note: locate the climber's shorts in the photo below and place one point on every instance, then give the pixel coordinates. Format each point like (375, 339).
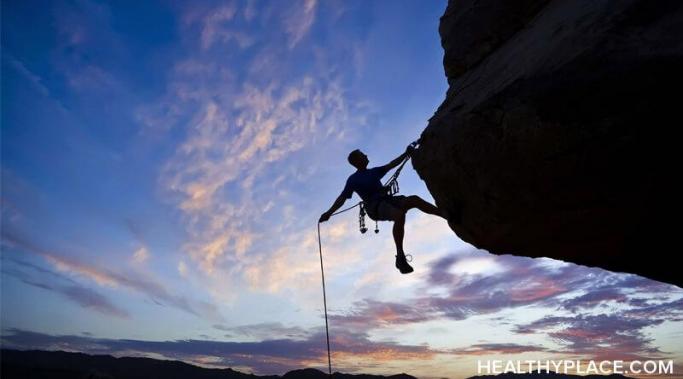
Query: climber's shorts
(388, 208)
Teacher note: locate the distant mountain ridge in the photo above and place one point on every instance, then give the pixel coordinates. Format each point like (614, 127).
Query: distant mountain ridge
(34, 364)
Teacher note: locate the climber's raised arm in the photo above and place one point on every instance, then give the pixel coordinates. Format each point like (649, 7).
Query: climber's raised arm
(397, 161)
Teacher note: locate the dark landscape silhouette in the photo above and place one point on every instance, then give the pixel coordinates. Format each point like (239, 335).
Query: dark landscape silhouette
(35, 364)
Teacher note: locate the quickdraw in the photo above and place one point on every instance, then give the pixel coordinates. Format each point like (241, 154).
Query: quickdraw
(361, 220)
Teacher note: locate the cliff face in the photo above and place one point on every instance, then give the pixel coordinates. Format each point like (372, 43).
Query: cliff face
(557, 134)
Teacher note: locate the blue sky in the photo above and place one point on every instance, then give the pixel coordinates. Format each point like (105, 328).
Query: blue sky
(164, 165)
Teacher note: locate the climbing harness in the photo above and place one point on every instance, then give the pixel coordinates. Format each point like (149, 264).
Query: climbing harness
(391, 188)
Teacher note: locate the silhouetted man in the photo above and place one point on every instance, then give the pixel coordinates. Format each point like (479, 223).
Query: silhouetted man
(380, 206)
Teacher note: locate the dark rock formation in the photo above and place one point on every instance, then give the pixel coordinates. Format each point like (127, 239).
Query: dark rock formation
(557, 134)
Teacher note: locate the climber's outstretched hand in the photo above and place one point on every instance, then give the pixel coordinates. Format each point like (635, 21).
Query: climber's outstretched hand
(324, 217)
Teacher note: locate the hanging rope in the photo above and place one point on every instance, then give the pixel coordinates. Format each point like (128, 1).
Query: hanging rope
(322, 273)
(327, 330)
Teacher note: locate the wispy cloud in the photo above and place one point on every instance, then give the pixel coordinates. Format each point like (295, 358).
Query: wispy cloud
(245, 133)
(600, 336)
(83, 28)
(88, 298)
(34, 80)
(371, 314)
(299, 20)
(214, 25)
(70, 289)
(141, 255)
(579, 294)
(497, 348)
(263, 331)
(215, 168)
(110, 278)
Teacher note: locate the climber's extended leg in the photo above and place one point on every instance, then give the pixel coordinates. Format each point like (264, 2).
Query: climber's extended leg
(394, 209)
(415, 201)
(401, 262)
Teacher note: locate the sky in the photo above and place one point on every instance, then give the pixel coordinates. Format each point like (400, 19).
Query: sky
(164, 165)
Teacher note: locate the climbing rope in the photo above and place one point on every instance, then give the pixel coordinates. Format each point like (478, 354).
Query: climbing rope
(327, 330)
(322, 274)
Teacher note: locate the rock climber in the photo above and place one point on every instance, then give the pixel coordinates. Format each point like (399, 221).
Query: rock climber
(381, 206)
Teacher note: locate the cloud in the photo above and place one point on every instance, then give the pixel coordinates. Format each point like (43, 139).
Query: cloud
(511, 282)
(299, 21)
(600, 297)
(182, 269)
(497, 349)
(141, 255)
(369, 314)
(88, 298)
(214, 24)
(110, 278)
(619, 334)
(664, 310)
(35, 80)
(246, 134)
(571, 295)
(602, 336)
(82, 29)
(73, 291)
(263, 331)
(270, 124)
(272, 356)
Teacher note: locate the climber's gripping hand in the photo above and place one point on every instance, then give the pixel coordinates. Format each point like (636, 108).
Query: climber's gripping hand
(410, 149)
(324, 217)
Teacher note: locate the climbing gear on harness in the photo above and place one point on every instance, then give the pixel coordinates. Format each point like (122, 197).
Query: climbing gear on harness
(361, 219)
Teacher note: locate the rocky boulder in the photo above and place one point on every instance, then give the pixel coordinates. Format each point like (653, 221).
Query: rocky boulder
(557, 137)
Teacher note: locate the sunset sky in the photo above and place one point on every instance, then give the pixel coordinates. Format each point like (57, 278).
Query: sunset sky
(164, 165)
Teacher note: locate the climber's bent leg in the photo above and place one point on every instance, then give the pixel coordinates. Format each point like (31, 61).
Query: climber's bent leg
(415, 201)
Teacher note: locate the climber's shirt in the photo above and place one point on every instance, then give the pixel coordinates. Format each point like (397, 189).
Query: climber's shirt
(366, 183)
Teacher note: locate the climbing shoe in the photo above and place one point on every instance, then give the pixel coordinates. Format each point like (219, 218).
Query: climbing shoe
(402, 264)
